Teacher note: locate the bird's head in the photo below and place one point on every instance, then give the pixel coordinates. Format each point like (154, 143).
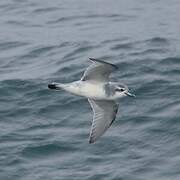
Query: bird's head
(122, 90)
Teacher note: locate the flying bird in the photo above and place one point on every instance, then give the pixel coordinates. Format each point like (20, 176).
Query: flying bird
(101, 93)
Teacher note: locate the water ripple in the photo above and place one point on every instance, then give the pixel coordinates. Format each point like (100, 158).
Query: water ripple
(44, 133)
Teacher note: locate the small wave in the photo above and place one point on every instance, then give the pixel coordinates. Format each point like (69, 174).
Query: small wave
(158, 41)
(45, 10)
(79, 50)
(11, 44)
(46, 149)
(169, 109)
(170, 61)
(37, 52)
(91, 16)
(154, 87)
(123, 46)
(153, 51)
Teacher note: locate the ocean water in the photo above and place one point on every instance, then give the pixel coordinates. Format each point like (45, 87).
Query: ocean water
(44, 134)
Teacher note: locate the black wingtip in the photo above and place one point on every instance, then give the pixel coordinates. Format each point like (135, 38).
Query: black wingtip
(91, 141)
(92, 59)
(101, 61)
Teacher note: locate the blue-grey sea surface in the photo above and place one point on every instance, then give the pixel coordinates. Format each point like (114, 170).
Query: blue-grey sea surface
(44, 133)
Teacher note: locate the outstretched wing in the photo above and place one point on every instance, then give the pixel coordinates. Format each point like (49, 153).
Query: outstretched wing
(104, 115)
(98, 71)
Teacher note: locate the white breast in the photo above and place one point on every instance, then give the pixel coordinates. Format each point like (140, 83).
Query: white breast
(93, 90)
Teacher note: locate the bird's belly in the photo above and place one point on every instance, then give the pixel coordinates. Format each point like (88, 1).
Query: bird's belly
(93, 91)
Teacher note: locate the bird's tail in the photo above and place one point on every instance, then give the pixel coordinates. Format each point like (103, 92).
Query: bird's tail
(56, 86)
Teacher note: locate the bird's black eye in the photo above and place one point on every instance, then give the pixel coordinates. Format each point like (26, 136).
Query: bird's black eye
(120, 89)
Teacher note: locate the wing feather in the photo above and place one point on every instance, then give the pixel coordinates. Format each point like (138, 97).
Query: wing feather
(98, 71)
(104, 115)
